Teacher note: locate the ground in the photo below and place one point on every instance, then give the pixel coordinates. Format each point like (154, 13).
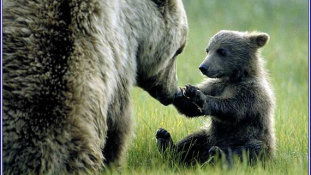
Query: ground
(286, 58)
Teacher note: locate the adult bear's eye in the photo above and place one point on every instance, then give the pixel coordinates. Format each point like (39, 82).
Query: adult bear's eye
(180, 50)
(222, 52)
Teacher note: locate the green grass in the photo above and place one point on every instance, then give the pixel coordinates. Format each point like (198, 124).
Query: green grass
(286, 58)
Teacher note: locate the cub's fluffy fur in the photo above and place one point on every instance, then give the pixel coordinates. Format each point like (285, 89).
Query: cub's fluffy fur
(237, 96)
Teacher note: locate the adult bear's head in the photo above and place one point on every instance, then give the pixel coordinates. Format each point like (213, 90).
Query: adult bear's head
(162, 37)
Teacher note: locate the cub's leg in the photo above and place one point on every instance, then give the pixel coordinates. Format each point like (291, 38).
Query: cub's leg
(253, 150)
(190, 150)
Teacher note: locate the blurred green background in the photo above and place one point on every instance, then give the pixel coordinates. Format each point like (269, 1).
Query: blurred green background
(286, 56)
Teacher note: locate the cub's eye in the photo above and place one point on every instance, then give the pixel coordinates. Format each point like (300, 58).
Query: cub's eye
(222, 52)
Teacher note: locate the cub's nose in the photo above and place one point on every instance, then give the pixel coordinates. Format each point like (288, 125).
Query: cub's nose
(203, 69)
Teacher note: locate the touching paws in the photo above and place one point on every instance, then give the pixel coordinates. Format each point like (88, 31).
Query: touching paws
(164, 140)
(190, 91)
(194, 94)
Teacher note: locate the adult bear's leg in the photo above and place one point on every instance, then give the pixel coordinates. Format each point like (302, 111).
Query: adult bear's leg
(193, 148)
(119, 131)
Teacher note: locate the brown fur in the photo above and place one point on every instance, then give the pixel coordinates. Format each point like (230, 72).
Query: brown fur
(68, 68)
(238, 98)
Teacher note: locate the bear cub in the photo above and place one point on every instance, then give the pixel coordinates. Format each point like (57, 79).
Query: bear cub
(238, 98)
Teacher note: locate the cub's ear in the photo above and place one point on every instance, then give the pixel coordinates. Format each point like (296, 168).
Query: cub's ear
(258, 39)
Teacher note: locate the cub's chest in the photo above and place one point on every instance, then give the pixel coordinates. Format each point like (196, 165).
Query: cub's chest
(225, 91)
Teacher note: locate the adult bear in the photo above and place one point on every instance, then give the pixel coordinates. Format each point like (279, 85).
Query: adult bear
(68, 69)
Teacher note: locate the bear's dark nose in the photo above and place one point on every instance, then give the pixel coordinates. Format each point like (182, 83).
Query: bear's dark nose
(203, 69)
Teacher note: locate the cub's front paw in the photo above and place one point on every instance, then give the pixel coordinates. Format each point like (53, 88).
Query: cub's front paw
(194, 94)
(190, 91)
(164, 140)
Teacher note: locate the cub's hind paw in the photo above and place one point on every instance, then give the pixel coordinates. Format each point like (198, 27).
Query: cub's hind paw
(163, 134)
(164, 140)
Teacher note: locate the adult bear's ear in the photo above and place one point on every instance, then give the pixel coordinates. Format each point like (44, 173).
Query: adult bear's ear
(258, 39)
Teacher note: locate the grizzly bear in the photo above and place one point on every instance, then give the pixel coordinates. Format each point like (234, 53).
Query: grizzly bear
(238, 97)
(68, 70)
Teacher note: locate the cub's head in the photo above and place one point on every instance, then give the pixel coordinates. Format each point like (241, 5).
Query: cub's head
(233, 54)
(162, 37)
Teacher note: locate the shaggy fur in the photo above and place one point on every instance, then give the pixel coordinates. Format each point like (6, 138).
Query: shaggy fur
(238, 98)
(68, 68)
